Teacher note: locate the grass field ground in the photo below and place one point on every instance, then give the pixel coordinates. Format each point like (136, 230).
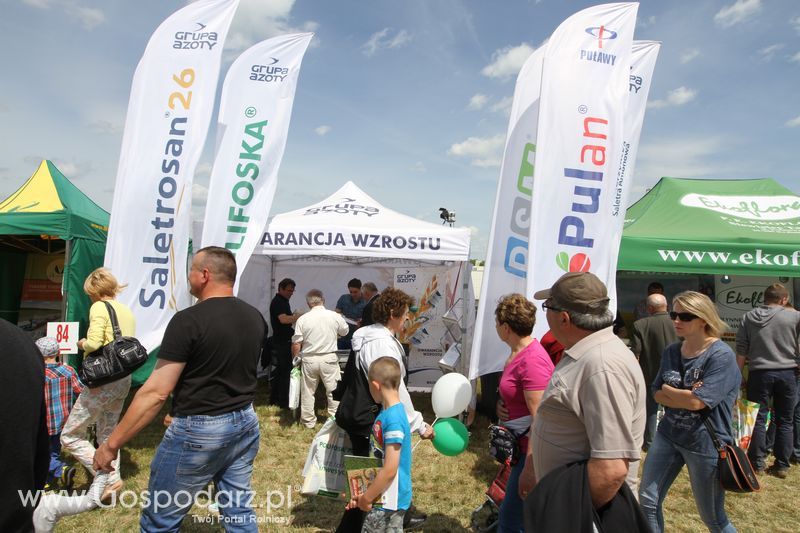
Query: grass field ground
(448, 489)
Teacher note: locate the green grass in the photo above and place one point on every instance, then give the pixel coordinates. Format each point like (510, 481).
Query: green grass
(446, 488)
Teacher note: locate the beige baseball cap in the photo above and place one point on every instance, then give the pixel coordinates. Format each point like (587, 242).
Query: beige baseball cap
(582, 292)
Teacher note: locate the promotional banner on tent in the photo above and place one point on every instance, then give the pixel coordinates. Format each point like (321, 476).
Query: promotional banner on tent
(505, 269)
(748, 227)
(643, 63)
(351, 223)
(435, 291)
(581, 128)
(255, 110)
(736, 295)
(172, 99)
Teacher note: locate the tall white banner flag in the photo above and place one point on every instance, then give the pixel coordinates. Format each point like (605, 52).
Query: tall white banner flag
(172, 99)
(581, 129)
(254, 114)
(507, 257)
(643, 63)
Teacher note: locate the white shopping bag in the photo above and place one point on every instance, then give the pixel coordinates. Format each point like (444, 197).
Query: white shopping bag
(294, 387)
(323, 473)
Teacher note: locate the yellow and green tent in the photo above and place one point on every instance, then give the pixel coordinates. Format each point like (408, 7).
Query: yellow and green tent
(50, 215)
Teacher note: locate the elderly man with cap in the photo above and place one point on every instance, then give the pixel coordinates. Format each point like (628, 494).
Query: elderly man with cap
(594, 406)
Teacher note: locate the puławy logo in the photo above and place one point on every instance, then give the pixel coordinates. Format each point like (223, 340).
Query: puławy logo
(198, 39)
(747, 207)
(577, 263)
(601, 33)
(344, 206)
(271, 73)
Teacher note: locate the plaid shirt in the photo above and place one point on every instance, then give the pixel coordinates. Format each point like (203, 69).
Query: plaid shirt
(61, 389)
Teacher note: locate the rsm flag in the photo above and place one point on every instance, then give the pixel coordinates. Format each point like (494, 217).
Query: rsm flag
(254, 115)
(507, 256)
(172, 99)
(581, 129)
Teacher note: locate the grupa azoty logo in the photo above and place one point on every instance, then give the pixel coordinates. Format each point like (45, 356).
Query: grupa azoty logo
(271, 72)
(196, 39)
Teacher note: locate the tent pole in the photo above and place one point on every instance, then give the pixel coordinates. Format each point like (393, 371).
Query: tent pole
(64, 292)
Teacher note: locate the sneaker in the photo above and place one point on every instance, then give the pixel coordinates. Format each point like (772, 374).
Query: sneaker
(67, 477)
(794, 460)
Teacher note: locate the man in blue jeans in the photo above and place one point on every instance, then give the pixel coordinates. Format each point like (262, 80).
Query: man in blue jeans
(208, 362)
(769, 340)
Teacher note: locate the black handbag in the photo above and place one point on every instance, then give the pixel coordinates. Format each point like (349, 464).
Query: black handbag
(736, 473)
(503, 445)
(357, 410)
(116, 360)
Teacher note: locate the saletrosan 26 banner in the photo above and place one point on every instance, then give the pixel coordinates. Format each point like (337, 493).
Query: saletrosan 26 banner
(581, 128)
(643, 63)
(507, 257)
(254, 115)
(172, 99)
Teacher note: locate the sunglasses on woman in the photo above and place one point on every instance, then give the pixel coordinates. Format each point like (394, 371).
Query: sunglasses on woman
(683, 317)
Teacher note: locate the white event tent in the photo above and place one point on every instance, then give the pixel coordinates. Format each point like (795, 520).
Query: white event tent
(350, 235)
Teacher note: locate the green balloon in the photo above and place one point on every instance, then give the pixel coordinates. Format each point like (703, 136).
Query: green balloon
(451, 437)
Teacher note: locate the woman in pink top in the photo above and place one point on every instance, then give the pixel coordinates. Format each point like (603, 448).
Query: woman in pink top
(525, 377)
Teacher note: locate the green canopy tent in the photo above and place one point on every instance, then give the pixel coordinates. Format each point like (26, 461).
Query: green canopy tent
(745, 227)
(48, 215)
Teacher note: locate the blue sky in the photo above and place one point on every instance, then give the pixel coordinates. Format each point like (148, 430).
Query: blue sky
(409, 99)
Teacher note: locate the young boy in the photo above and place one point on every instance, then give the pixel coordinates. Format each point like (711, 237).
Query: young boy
(61, 389)
(392, 443)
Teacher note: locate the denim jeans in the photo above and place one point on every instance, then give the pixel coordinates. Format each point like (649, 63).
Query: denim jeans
(796, 453)
(663, 464)
(781, 386)
(56, 464)
(194, 451)
(511, 509)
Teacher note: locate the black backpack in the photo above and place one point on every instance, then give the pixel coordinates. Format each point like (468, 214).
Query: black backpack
(357, 410)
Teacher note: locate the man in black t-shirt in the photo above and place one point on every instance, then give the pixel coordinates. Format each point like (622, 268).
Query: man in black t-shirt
(282, 319)
(23, 440)
(208, 360)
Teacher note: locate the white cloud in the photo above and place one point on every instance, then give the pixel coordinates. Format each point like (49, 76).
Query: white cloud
(419, 167)
(483, 151)
(503, 105)
(507, 61)
(203, 169)
(322, 130)
(768, 52)
(737, 12)
(478, 101)
(795, 58)
(795, 22)
(646, 23)
(794, 122)
(688, 157)
(106, 127)
(256, 20)
(383, 40)
(88, 17)
(676, 97)
(689, 54)
(199, 194)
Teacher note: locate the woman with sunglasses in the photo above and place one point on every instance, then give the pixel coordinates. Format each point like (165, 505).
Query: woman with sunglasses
(698, 380)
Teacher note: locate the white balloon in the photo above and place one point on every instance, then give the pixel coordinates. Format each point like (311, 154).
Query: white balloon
(451, 395)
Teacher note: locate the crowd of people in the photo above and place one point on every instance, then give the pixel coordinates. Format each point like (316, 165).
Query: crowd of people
(581, 406)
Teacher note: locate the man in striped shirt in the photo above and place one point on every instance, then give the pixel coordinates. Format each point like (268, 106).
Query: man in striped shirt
(61, 389)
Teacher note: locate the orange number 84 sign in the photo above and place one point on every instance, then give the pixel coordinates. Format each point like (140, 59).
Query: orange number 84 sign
(66, 333)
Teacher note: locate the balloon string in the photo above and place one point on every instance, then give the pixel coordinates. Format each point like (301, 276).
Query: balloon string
(420, 440)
